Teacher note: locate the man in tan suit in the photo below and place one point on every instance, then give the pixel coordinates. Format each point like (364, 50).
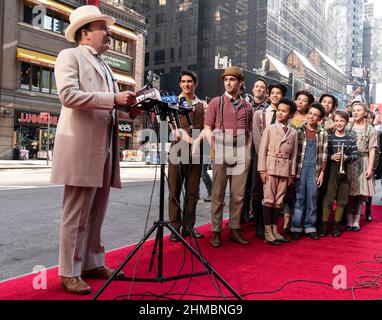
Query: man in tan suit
(86, 157)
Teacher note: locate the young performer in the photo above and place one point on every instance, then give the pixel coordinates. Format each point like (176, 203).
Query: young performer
(277, 166)
(311, 163)
(261, 119)
(362, 170)
(342, 150)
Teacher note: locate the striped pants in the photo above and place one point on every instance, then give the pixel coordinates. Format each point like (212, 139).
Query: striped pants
(83, 212)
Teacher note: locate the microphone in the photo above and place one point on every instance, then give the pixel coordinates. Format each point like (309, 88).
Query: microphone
(185, 108)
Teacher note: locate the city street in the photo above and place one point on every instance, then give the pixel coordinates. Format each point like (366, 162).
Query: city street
(30, 216)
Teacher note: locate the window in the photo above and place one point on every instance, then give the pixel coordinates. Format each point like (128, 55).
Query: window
(54, 86)
(45, 80)
(48, 22)
(25, 76)
(159, 57)
(37, 78)
(28, 14)
(52, 21)
(147, 59)
(121, 45)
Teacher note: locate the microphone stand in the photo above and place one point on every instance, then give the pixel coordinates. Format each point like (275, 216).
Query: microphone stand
(164, 110)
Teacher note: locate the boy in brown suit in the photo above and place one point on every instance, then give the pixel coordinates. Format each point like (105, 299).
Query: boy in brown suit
(277, 166)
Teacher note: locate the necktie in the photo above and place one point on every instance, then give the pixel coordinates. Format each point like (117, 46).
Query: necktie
(273, 117)
(106, 73)
(285, 129)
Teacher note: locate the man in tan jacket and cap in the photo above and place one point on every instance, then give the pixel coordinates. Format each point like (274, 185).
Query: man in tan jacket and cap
(86, 157)
(228, 128)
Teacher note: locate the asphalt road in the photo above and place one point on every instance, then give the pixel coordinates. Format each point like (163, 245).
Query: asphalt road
(30, 209)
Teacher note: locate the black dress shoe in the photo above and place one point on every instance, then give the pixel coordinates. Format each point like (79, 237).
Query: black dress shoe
(356, 229)
(196, 234)
(193, 232)
(313, 235)
(295, 235)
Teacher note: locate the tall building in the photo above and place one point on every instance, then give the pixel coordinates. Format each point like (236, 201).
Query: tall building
(257, 35)
(348, 37)
(31, 36)
(376, 58)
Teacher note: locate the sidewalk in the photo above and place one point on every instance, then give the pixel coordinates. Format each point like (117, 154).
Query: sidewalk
(42, 164)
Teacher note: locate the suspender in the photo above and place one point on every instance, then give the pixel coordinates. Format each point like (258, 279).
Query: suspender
(221, 115)
(263, 123)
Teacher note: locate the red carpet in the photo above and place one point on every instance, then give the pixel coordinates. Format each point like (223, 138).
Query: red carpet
(254, 271)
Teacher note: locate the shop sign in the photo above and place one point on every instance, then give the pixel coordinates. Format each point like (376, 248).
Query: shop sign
(35, 118)
(125, 127)
(124, 63)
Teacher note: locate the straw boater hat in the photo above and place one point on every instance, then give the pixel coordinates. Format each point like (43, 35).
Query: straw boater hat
(84, 15)
(233, 71)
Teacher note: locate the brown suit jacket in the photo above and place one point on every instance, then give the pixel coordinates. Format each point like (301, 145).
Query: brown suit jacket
(81, 148)
(278, 151)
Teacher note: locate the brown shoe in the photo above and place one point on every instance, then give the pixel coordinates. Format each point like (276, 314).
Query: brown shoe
(102, 273)
(216, 240)
(235, 236)
(75, 285)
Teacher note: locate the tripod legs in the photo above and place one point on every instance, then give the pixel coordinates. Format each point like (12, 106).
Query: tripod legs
(159, 225)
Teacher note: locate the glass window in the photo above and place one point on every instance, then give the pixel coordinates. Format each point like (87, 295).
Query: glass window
(124, 47)
(54, 86)
(36, 77)
(122, 87)
(65, 25)
(25, 76)
(27, 14)
(45, 80)
(159, 57)
(57, 24)
(48, 22)
(147, 59)
(118, 45)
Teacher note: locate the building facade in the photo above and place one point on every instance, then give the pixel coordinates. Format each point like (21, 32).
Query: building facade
(257, 35)
(348, 35)
(32, 35)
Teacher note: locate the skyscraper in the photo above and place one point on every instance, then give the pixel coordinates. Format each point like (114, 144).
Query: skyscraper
(255, 35)
(348, 35)
(192, 32)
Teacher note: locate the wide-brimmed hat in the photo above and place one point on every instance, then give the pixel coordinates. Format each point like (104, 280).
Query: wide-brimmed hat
(233, 71)
(84, 15)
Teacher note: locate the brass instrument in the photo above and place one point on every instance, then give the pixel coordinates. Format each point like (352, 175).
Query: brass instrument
(341, 170)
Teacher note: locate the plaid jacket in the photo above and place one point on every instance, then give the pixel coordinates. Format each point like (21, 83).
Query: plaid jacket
(321, 149)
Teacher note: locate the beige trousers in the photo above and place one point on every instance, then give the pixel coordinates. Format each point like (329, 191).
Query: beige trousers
(274, 191)
(83, 212)
(220, 178)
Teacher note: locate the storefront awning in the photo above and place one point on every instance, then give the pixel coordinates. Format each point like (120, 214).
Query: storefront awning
(280, 67)
(36, 57)
(307, 63)
(330, 62)
(124, 32)
(123, 78)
